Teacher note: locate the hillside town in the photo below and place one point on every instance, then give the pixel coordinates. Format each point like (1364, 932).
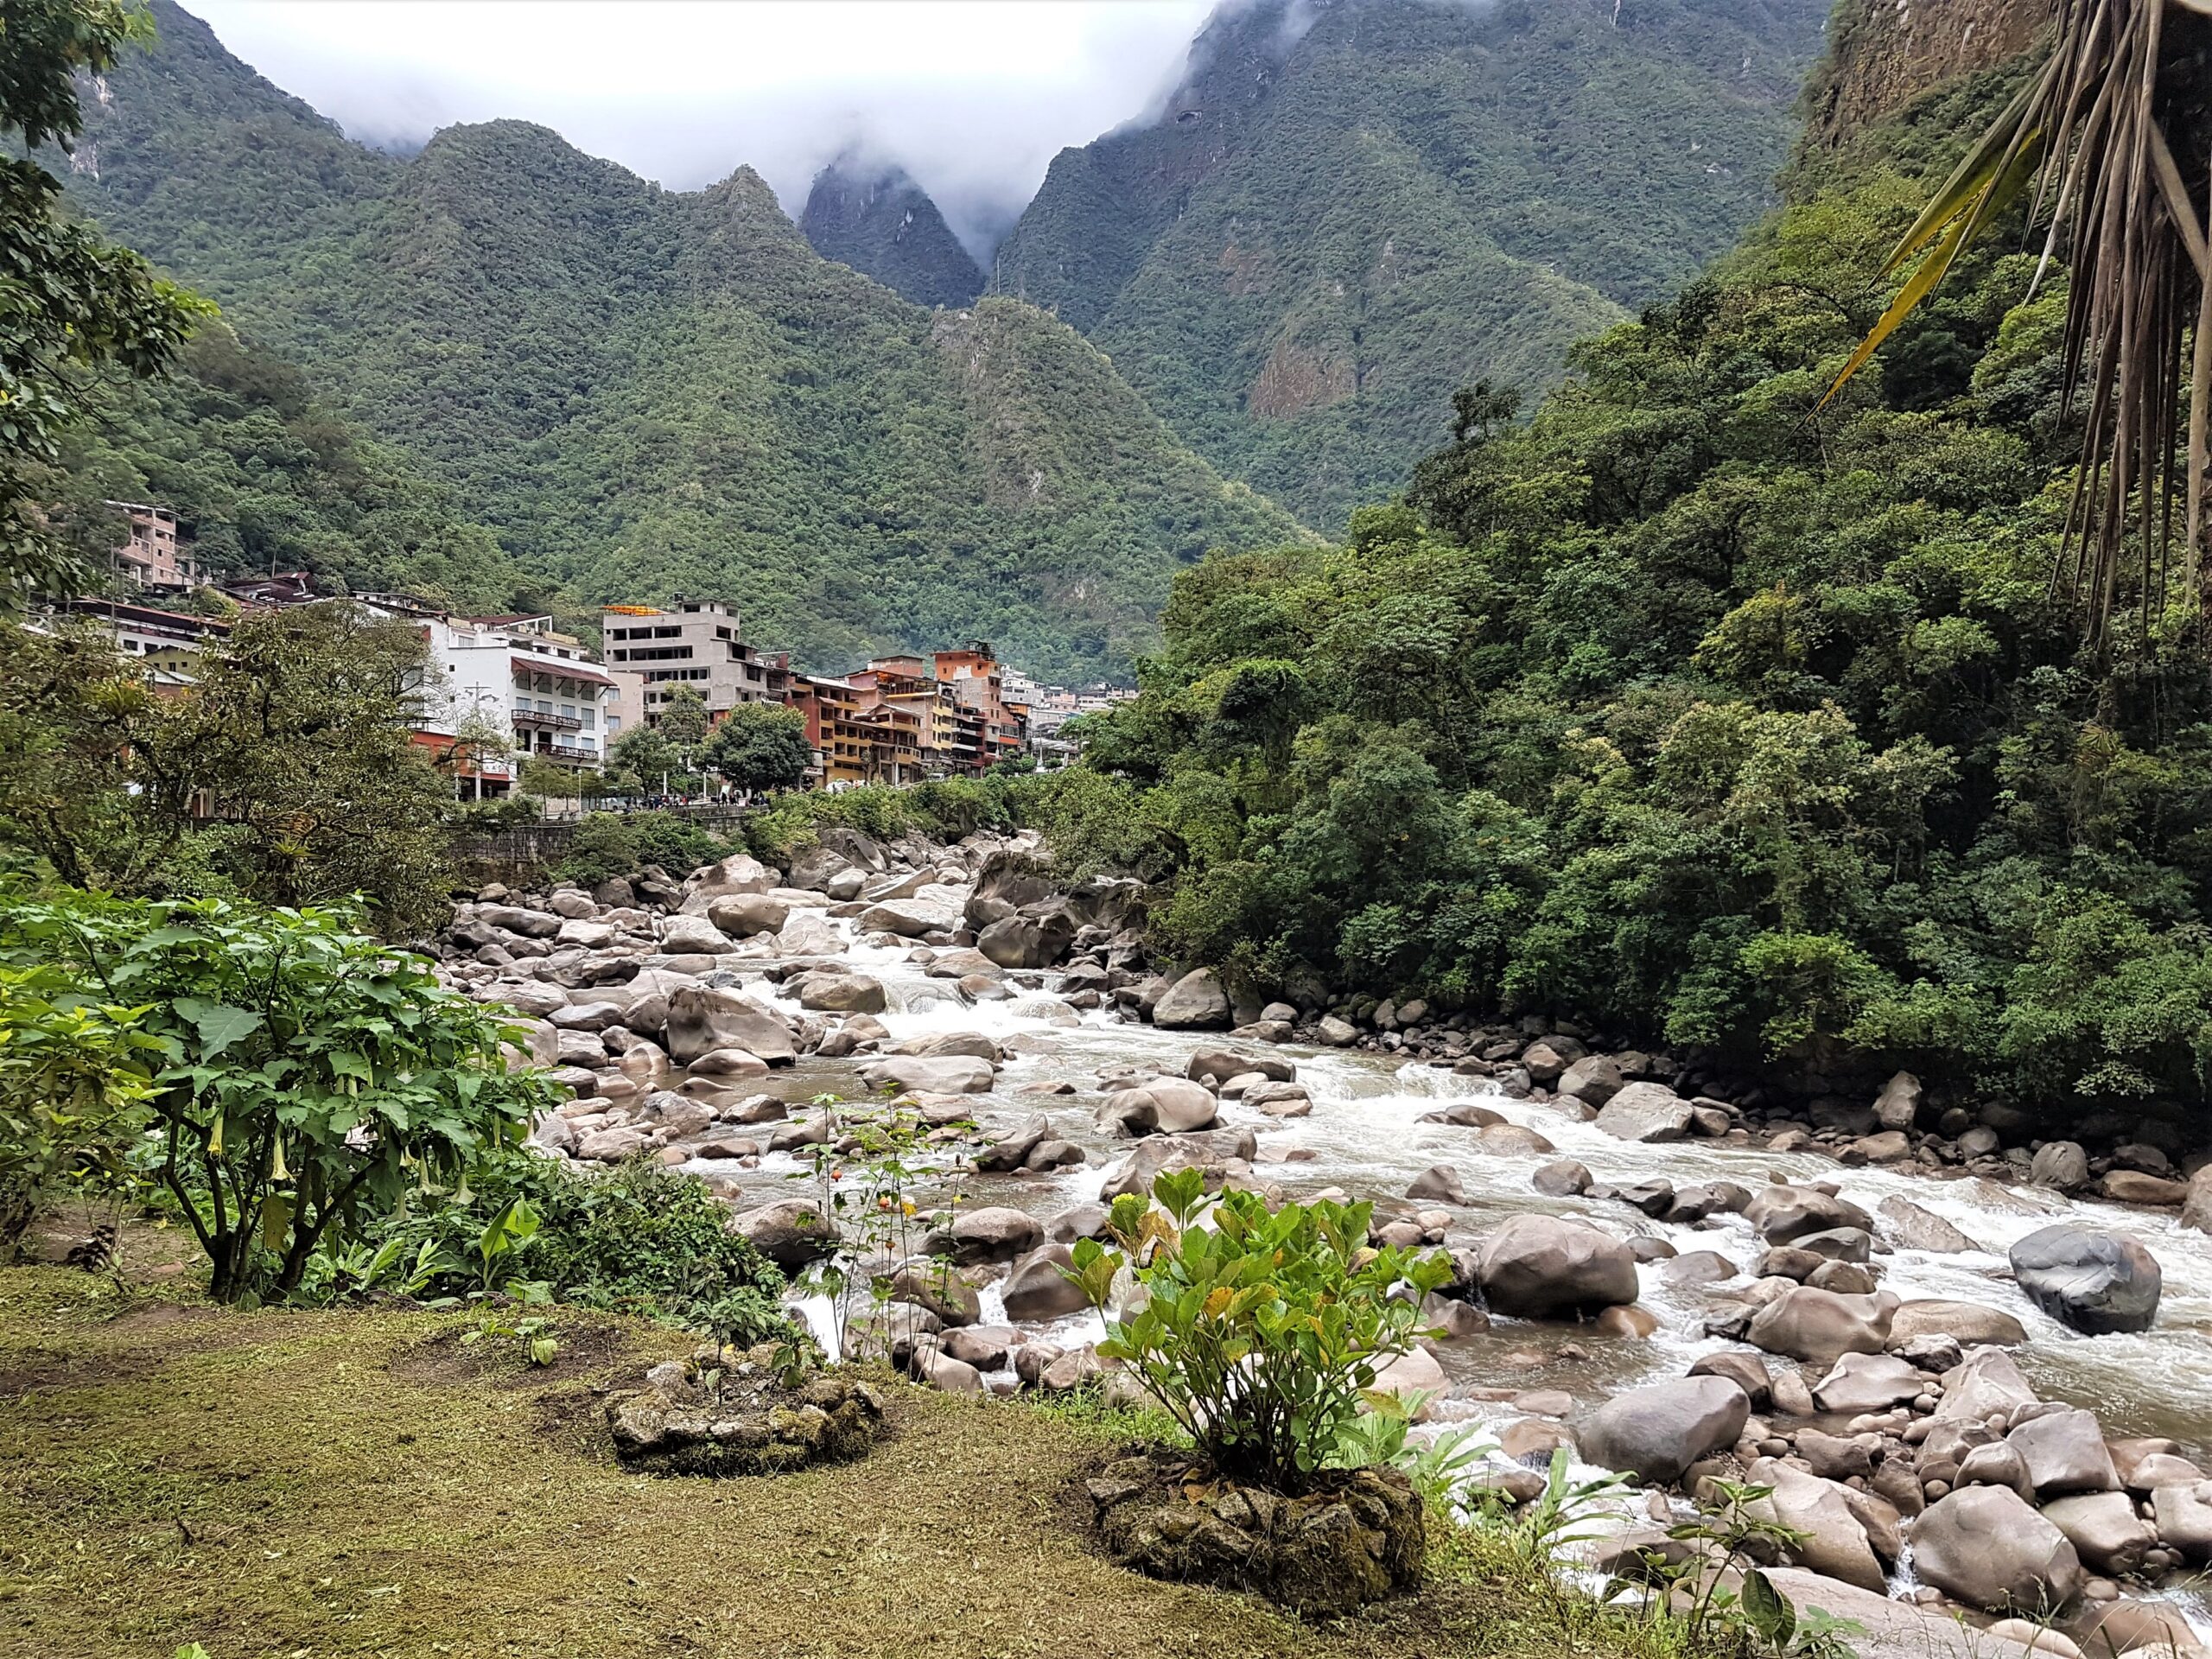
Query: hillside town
(508, 688)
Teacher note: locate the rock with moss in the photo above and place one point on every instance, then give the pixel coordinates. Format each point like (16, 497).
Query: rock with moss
(1356, 1536)
(737, 1412)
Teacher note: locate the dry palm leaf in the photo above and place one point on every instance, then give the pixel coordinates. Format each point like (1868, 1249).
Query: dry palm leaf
(2115, 132)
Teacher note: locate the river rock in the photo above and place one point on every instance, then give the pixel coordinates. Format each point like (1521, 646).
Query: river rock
(1868, 1381)
(2196, 1208)
(790, 1232)
(1836, 1544)
(1986, 1547)
(1747, 1371)
(693, 936)
(1970, 1323)
(2061, 1164)
(1983, 1384)
(741, 915)
(703, 1018)
(951, 1074)
(1594, 1078)
(1916, 1228)
(1194, 1003)
(2064, 1451)
(841, 994)
(1219, 1153)
(1899, 1103)
(1279, 1099)
(995, 1233)
(1563, 1179)
(1439, 1184)
(1512, 1140)
(1781, 1214)
(1219, 1065)
(2133, 1186)
(1998, 1464)
(1036, 1288)
(1646, 1112)
(1160, 1106)
(1028, 941)
(1335, 1033)
(2182, 1515)
(740, 872)
(1538, 1266)
(1821, 1326)
(2098, 1282)
(1657, 1433)
(2104, 1530)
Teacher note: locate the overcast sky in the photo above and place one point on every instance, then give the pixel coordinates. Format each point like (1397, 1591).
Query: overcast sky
(974, 97)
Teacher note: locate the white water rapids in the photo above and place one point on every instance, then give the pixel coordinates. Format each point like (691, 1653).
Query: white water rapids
(1364, 1137)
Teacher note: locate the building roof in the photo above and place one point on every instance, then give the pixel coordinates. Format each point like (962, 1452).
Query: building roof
(561, 668)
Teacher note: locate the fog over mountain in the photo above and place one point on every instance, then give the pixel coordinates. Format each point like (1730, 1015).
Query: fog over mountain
(972, 100)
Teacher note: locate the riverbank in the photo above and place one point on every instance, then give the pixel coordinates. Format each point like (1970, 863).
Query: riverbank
(356, 1482)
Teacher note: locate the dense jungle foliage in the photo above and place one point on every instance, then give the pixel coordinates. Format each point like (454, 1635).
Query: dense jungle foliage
(1346, 212)
(1690, 710)
(644, 392)
(883, 225)
(262, 475)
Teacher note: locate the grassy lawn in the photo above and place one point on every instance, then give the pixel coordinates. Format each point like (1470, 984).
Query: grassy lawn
(300, 1483)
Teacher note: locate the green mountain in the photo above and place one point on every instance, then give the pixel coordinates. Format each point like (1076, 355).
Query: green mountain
(884, 225)
(1352, 207)
(645, 392)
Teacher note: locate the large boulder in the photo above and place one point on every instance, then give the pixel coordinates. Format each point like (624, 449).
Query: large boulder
(693, 936)
(2196, 1208)
(1194, 1003)
(908, 918)
(1028, 941)
(1162, 1106)
(2096, 1281)
(1220, 1153)
(1899, 1103)
(740, 872)
(1593, 1079)
(1970, 1323)
(1646, 1111)
(1984, 1384)
(1537, 1267)
(2183, 1515)
(703, 1018)
(1781, 1214)
(1657, 1433)
(951, 1074)
(1834, 1543)
(740, 915)
(1919, 1229)
(995, 1233)
(1986, 1547)
(1036, 1288)
(2064, 1451)
(841, 994)
(1822, 1326)
(2104, 1530)
(790, 1232)
(1868, 1381)
(1218, 1065)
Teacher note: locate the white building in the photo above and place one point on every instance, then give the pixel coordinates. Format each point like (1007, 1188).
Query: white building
(540, 687)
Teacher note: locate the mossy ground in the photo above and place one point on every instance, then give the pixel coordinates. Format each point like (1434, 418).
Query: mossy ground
(356, 1482)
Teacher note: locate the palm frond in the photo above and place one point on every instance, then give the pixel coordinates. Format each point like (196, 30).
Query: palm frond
(2115, 128)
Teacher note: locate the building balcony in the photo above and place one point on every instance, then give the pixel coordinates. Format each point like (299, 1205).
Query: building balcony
(532, 720)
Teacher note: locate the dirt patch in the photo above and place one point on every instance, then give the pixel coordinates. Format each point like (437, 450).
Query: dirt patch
(445, 1360)
(156, 1316)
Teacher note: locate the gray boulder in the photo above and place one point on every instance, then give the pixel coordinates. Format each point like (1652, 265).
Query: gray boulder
(1822, 1326)
(1038, 1289)
(1781, 1214)
(1657, 1433)
(1594, 1079)
(1220, 1153)
(1899, 1103)
(1028, 941)
(2104, 1530)
(1984, 1384)
(953, 1074)
(1868, 1381)
(2064, 1451)
(741, 915)
(2061, 1164)
(790, 1232)
(693, 936)
(2098, 1282)
(1986, 1547)
(995, 1233)
(1162, 1106)
(1194, 1003)
(1970, 1323)
(908, 918)
(841, 994)
(1836, 1544)
(703, 1018)
(1646, 1112)
(1537, 1267)
(1439, 1184)
(1916, 1228)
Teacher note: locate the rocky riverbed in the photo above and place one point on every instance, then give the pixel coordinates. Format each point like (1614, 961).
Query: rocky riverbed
(1972, 1367)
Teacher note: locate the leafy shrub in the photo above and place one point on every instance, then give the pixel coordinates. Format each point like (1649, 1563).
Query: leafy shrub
(306, 1074)
(639, 1239)
(616, 843)
(1259, 1332)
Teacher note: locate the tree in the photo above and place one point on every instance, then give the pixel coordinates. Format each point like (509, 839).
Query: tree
(289, 773)
(759, 746)
(70, 304)
(2115, 130)
(682, 719)
(547, 780)
(307, 1076)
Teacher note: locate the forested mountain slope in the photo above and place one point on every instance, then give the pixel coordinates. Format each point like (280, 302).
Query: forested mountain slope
(1352, 207)
(645, 392)
(883, 225)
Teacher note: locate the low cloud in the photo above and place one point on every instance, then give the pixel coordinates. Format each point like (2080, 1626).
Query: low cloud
(974, 99)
